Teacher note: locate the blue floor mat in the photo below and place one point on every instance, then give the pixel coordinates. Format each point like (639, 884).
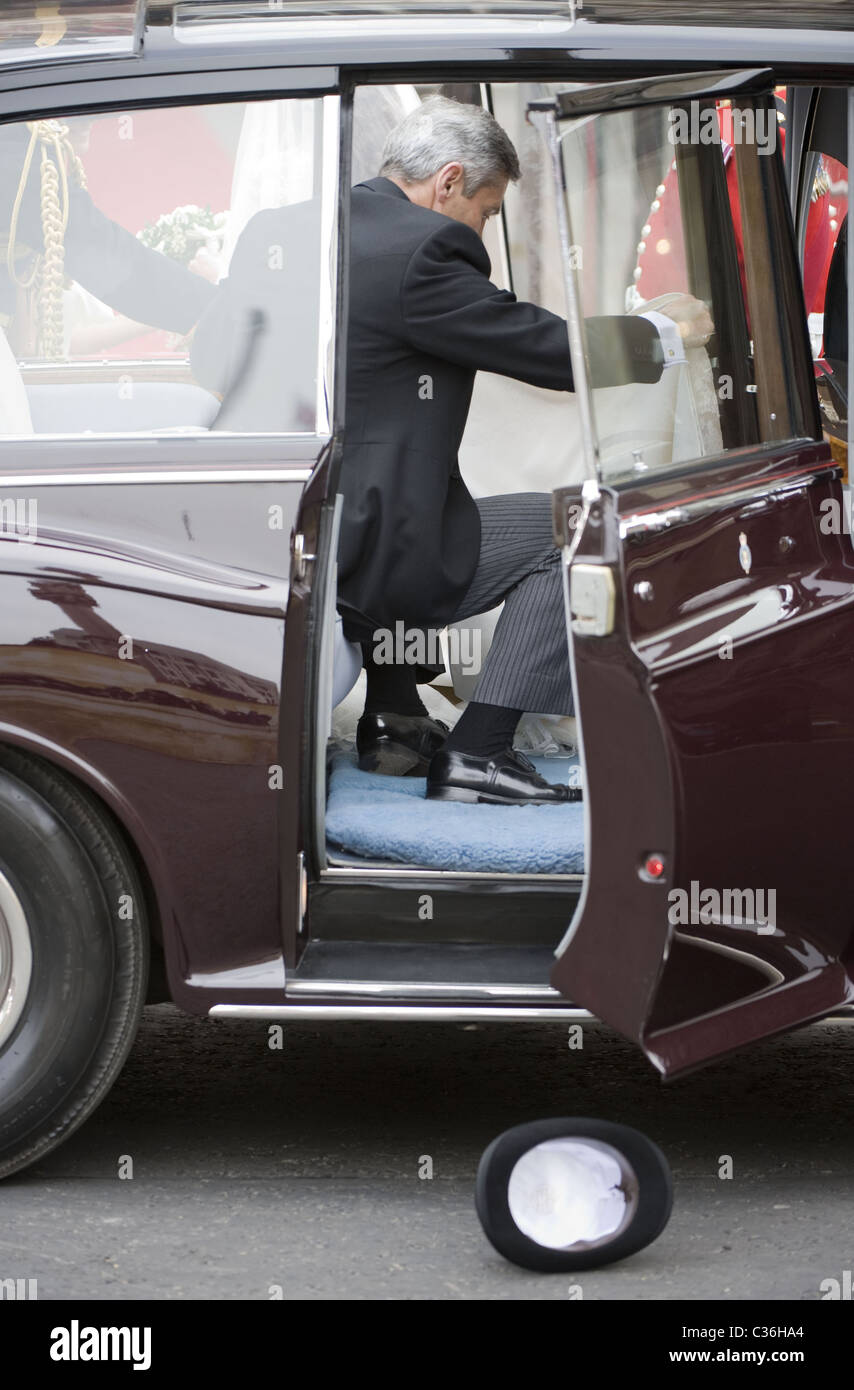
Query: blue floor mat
(389, 818)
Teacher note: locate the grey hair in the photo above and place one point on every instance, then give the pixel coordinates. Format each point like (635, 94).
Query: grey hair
(441, 131)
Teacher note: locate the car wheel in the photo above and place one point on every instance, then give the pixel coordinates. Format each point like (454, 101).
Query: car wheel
(73, 957)
(565, 1195)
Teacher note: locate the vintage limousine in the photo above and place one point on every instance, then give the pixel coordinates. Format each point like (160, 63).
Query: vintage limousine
(181, 813)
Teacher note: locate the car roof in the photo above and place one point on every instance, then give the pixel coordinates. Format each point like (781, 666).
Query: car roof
(106, 37)
(766, 13)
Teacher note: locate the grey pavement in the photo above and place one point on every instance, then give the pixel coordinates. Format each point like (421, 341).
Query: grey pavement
(259, 1171)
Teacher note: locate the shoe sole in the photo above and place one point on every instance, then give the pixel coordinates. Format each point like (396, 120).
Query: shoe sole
(394, 760)
(486, 799)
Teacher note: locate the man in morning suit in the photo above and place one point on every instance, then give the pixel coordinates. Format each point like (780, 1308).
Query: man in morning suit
(424, 318)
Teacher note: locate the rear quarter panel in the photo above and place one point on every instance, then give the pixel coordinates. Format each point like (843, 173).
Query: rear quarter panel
(155, 679)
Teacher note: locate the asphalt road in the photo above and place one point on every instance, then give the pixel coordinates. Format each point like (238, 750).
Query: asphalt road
(298, 1169)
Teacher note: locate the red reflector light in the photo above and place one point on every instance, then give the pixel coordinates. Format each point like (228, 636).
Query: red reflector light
(654, 866)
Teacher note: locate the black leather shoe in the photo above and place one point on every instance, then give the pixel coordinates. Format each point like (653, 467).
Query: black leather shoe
(503, 779)
(398, 745)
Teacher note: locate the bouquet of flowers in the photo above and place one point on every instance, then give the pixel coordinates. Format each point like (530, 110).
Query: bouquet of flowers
(182, 233)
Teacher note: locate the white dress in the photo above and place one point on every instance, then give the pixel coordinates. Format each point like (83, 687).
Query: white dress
(279, 142)
(14, 407)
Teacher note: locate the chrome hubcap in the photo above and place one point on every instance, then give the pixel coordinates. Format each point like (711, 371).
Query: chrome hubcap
(16, 960)
(571, 1192)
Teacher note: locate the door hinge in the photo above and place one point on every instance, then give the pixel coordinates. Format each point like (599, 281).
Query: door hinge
(592, 599)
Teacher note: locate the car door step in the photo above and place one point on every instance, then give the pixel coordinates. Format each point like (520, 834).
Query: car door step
(407, 970)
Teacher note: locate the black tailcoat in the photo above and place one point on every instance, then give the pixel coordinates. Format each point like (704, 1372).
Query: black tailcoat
(424, 318)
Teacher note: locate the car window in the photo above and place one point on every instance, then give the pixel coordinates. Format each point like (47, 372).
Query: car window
(826, 292)
(169, 270)
(30, 32)
(529, 205)
(665, 204)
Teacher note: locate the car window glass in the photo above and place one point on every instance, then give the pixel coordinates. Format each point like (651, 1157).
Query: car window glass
(168, 270)
(826, 293)
(665, 203)
(30, 32)
(529, 205)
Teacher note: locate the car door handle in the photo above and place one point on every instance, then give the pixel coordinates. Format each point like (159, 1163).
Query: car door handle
(635, 528)
(301, 556)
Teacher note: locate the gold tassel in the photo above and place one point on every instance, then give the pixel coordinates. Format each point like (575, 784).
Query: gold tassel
(47, 277)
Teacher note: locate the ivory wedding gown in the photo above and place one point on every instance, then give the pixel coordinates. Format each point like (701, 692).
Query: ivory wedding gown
(14, 408)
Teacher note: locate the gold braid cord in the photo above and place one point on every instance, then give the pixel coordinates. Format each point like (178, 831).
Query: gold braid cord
(47, 277)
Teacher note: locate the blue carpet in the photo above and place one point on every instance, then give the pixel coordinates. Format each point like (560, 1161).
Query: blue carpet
(390, 818)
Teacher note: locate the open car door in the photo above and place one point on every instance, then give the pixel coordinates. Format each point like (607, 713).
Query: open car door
(710, 585)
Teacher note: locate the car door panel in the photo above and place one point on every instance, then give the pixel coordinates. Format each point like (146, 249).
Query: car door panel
(711, 619)
(733, 770)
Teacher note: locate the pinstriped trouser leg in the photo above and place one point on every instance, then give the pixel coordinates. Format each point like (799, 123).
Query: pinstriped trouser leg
(527, 666)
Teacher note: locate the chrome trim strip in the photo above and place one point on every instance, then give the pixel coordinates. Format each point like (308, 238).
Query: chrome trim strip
(399, 1013)
(635, 92)
(640, 524)
(329, 114)
(439, 875)
(440, 1013)
(169, 434)
(372, 989)
(165, 475)
(415, 28)
(546, 122)
(326, 680)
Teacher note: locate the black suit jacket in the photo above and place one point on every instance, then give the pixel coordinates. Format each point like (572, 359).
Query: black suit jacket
(256, 344)
(424, 318)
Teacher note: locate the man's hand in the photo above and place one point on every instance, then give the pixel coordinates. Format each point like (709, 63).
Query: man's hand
(692, 318)
(206, 264)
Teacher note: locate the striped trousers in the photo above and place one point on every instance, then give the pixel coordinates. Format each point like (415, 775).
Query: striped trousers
(527, 666)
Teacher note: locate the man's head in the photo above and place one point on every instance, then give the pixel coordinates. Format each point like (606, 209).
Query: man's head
(453, 158)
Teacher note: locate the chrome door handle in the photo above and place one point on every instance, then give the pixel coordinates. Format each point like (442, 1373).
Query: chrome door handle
(301, 557)
(635, 528)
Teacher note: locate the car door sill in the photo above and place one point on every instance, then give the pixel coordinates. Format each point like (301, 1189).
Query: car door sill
(428, 991)
(424, 970)
(439, 875)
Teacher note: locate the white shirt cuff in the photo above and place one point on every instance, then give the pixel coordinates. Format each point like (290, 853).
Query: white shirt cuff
(671, 339)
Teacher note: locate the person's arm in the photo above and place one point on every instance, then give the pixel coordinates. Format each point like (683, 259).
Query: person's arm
(142, 284)
(451, 309)
(102, 256)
